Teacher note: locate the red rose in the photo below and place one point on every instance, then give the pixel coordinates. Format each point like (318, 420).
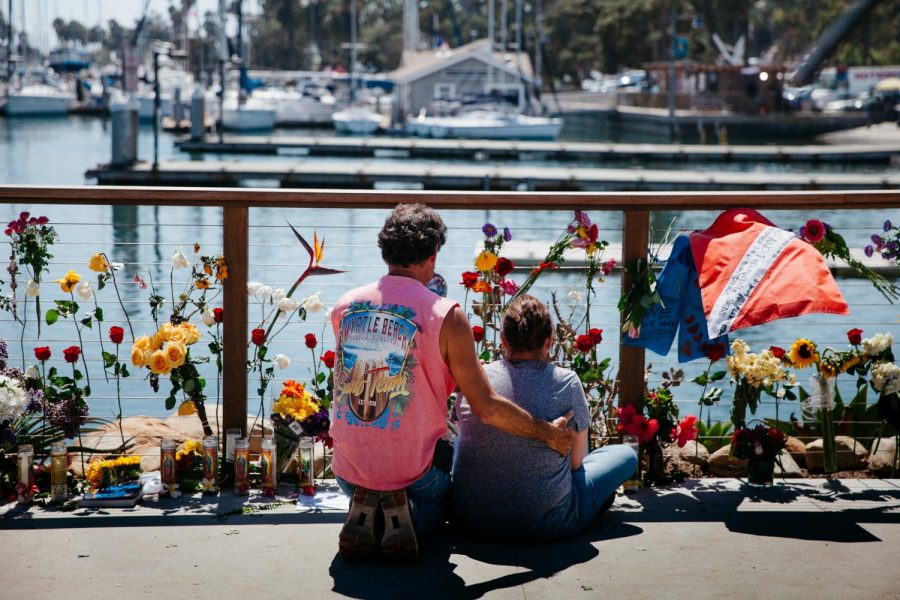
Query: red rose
(596, 336)
(478, 332)
(42, 353)
(503, 267)
(218, 315)
(469, 279)
(258, 336)
(715, 352)
(116, 334)
(855, 336)
(777, 352)
(328, 359)
(584, 343)
(71, 354)
(311, 340)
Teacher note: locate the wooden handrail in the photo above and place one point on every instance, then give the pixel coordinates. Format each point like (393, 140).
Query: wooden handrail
(636, 207)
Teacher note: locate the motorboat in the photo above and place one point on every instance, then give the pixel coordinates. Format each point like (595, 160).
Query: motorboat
(488, 124)
(297, 108)
(357, 120)
(39, 100)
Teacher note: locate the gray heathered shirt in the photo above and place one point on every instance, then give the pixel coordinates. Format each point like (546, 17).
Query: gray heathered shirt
(511, 486)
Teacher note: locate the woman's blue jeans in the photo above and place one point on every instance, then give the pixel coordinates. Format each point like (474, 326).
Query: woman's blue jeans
(427, 498)
(602, 471)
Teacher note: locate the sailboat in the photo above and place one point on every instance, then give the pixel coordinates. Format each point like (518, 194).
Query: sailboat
(239, 114)
(357, 119)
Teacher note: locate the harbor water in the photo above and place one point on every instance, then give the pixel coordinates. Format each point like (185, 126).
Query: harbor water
(58, 151)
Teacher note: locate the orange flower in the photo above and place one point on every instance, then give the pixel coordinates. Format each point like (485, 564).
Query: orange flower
(482, 287)
(202, 284)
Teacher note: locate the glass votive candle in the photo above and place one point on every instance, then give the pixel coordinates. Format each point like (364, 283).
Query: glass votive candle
(633, 484)
(267, 463)
(26, 470)
(210, 463)
(167, 449)
(241, 466)
(231, 434)
(59, 472)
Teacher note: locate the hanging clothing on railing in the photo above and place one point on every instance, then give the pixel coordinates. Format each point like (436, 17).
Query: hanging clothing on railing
(740, 272)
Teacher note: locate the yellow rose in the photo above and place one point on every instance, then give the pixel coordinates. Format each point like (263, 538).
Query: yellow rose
(98, 263)
(156, 342)
(177, 335)
(137, 357)
(159, 364)
(67, 283)
(147, 354)
(165, 331)
(485, 261)
(142, 343)
(187, 408)
(191, 333)
(175, 354)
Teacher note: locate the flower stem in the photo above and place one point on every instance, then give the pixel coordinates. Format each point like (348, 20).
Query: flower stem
(122, 304)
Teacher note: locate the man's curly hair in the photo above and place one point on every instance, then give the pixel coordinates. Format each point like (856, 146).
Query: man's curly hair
(411, 234)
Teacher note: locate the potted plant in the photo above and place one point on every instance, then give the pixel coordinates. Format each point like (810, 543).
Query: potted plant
(760, 446)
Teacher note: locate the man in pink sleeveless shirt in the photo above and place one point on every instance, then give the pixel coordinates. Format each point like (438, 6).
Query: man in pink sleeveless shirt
(402, 350)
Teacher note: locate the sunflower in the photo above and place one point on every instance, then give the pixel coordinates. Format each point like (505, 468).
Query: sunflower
(803, 353)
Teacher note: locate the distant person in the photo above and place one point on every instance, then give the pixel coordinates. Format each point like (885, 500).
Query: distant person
(401, 351)
(511, 488)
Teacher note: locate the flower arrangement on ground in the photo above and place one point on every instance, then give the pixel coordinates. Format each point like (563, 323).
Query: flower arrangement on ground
(295, 414)
(104, 473)
(760, 446)
(753, 374)
(886, 381)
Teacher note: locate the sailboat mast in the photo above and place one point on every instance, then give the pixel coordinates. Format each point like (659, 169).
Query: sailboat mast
(223, 57)
(490, 69)
(352, 50)
(9, 48)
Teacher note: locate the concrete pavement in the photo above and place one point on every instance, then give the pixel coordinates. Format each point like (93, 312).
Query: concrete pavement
(709, 538)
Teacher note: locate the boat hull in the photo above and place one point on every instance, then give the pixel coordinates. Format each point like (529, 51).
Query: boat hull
(22, 106)
(248, 119)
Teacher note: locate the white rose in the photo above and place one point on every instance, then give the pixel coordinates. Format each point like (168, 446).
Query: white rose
(84, 290)
(574, 295)
(313, 303)
(253, 287)
(288, 305)
(264, 291)
(278, 295)
(179, 260)
(32, 373)
(207, 318)
(282, 361)
(33, 288)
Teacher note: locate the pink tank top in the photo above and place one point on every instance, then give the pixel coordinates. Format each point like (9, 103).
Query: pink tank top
(391, 383)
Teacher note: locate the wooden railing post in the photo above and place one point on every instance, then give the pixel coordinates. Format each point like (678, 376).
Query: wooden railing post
(235, 240)
(635, 240)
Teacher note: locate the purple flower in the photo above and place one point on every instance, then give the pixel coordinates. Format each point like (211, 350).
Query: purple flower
(489, 230)
(570, 229)
(801, 233)
(869, 250)
(878, 241)
(507, 234)
(887, 225)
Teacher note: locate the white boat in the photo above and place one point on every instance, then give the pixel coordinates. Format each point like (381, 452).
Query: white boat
(489, 125)
(356, 120)
(245, 118)
(295, 108)
(39, 99)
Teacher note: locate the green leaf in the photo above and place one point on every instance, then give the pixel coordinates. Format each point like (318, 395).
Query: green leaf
(78, 375)
(98, 312)
(87, 322)
(320, 378)
(109, 359)
(189, 386)
(52, 316)
(700, 379)
(87, 390)
(124, 371)
(718, 376)
(170, 402)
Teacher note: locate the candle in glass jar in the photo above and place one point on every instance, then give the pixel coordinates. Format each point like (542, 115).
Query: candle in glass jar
(267, 462)
(59, 472)
(241, 466)
(210, 461)
(231, 434)
(167, 461)
(26, 466)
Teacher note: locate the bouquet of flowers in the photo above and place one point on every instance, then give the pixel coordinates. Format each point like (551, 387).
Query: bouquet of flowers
(753, 374)
(760, 442)
(295, 414)
(832, 245)
(104, 473)
(886, 381)
(887, 245)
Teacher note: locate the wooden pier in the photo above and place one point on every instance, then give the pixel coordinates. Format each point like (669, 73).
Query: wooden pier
(523, 150)
(366, 174)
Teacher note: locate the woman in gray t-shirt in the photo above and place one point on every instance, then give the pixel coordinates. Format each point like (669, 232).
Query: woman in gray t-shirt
(515, 488)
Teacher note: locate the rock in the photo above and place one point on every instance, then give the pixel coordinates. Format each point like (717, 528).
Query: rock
(851, 455)
(797, 450)
(722, 464)
(789, 467)
(883, 453)
(689, 460)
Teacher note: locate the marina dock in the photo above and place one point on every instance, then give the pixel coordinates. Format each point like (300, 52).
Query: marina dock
(387, 147)
(364, 174)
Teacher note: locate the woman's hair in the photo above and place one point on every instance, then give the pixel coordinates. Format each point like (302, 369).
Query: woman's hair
(411, 234)
(526, 324)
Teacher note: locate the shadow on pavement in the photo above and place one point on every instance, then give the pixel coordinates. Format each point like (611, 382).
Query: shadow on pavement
(435, 575)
